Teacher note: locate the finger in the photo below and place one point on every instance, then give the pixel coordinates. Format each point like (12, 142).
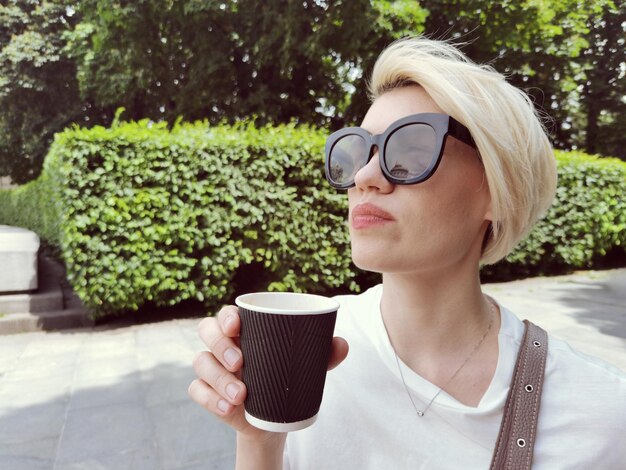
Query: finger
(228, 318)
(211, 371)
(338, 353)
(223, 348)
(209, 399)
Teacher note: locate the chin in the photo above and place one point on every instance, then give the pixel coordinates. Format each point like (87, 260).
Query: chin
(372, 249)
(377, 258)
(371, 260)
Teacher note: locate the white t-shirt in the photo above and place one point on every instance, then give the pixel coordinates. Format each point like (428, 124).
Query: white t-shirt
(367, 421)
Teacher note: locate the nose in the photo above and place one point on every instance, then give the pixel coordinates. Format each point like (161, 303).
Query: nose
(371, 176)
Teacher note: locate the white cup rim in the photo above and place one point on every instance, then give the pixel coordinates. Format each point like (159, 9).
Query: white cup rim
(279, 427)
(287, 303)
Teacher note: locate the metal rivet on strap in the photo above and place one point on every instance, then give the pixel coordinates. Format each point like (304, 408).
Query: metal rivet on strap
(536, 344)
(521, 443)
(529, 388)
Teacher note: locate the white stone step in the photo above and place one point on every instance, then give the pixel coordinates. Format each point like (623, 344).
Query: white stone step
(31, 303)
(52, 320)
(52, 306)
(18, 259)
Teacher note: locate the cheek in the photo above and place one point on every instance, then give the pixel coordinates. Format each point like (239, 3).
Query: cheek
(460, 189)
(448, 217)
(455, 207)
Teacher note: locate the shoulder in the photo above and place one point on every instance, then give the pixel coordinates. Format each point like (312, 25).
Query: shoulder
(582, 393)
(365, 299)
(358, 311)
(590, 375)
(576, 384)
(577, 362)
(583, 400)
(568, 365)
(358, 318)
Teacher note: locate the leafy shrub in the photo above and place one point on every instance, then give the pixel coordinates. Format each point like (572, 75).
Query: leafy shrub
(151, 215)
(146, 215)
(585, 222)
(32, 206)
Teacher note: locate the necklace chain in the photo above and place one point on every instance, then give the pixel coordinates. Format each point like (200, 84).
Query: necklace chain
(421, 413)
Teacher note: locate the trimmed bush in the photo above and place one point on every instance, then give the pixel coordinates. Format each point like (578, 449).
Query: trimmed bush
(151, 215)
(147, 215)
(32, 206)
(585, 222)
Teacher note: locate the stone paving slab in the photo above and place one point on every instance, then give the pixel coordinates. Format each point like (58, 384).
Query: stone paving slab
(116, 397)
(106, 399)
(587, 309)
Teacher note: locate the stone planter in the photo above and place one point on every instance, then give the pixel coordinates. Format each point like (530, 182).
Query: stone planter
(18, 259)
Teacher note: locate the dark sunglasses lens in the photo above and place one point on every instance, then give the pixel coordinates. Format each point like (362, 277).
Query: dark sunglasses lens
(348, 155)
(410, 151)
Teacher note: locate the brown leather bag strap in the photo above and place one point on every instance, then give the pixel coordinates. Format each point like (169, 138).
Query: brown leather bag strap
(514, 447)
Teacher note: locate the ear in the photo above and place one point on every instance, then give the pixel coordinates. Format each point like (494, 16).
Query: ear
(488, 212)
(489, 203)
(484, 186)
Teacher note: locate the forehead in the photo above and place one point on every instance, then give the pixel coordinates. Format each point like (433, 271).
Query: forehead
(396, 104)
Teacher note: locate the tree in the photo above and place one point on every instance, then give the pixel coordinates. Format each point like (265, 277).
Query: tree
(539, 45)
(216, 60)
(278, 60)
(282, 60)
(38, 87)
(603, 85)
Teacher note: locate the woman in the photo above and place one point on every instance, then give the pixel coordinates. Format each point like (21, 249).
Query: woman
(450, 169)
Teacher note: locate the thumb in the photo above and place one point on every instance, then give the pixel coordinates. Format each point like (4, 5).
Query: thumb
(338, 353)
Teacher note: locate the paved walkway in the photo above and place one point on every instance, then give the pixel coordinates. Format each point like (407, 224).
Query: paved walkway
(116, 398)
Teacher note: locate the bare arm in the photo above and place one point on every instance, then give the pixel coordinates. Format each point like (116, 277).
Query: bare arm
(260, 455)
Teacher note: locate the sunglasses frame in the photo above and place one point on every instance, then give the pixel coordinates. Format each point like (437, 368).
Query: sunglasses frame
(442, 124)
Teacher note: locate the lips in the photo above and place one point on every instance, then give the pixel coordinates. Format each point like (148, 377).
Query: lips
(369, 215)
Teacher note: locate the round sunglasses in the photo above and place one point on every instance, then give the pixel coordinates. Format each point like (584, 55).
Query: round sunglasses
(409, 150)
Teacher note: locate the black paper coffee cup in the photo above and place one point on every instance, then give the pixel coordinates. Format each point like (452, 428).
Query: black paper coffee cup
(286, 341)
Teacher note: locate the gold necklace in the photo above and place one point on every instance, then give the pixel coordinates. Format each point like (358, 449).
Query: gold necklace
(421, 413)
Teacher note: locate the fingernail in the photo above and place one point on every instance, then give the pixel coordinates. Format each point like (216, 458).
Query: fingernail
(222, 405)
(231, 356)
(232, 391)
(228, 321)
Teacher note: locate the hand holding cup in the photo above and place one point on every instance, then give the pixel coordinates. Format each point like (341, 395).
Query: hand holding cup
(219, 387)
(286, 340)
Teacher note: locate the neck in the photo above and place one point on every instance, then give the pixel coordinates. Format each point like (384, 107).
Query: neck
(433, 316)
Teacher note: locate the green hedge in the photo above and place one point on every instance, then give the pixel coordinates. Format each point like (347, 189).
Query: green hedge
(32, 206)
(147, 215)
(151, 215)
(586, 221)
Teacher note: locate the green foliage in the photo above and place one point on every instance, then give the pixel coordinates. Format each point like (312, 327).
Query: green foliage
(586, 221)
(152, 215)
(601, 97)
(146, 214)
(567, 54)
(400, 18)
(277, 60)
(32, 206)
(284, 60)
(38, 88)
(39, 92)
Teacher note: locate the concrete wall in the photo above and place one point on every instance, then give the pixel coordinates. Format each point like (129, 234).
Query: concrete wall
(18, 259)
(5, 182)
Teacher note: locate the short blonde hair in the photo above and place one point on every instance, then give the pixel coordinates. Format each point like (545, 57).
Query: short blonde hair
(519, 162)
